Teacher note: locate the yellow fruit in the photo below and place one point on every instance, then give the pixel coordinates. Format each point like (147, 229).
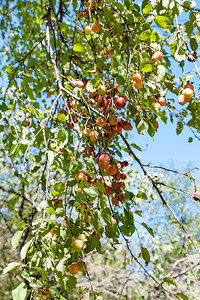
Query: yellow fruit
(78, 245)
(162, 101)
(182, 100)
(158, 55)
(137, 77)
(73, 269)
(188, 93)
(138, 84)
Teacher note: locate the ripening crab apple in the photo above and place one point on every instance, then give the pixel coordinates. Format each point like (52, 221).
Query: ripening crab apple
(188, 93)
(104, 161)
(157, 56)
(96, 27)
(73, 269)
(137, 77)
(120, 102)
(87, 30)
(196, 196)
(102, 90)
(80, 176)
(78, 245)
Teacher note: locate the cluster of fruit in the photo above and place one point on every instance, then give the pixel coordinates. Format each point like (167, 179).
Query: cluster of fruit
(187, 94)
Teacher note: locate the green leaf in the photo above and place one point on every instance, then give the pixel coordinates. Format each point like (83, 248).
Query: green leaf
(127, 230)
(142, 195)
(97, 221)
(92, 192)
(11, 266)
(148, 229)
(25, 248)
(68, 283)
(179, 127)
(19, 293)
(1, 128)
(56, 294)
(120, 79)
(13, 201)
(111, 229)
(100, 186)
(78, 47)
(142, 127)
(20, 225)
(42, 272)
(182, 296)
(170, 281)
(16, 238)
(193, 44)
(147, 68)
(147, 9)
(145, 255)
(163, 22)
(122, 88)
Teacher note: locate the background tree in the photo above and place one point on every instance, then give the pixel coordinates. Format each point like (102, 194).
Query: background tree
(77, 77)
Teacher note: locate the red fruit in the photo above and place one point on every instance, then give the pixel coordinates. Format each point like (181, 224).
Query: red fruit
(53, 231)
(106, 126)
(137, 77)
(121, 198)
(126, 126)
(99, 122)
(70, 125)
(121, 184)
(196, 196)
(100, 99)
(117, 129)
(101, 180)
(118, 176)
(108, 190)
(113, 120)
(112, 171)
(109, 133)
(111, 52)
(28, 123)
(189, 86)
(76, 120)
(68, 106)
(120, 122)
(115, 201)
(123, 176)
(120, 102)
(104, 161)
(125, 163)
(96, 27)
(94, 232)
(96, 159)
(116, 85)
(106, 102)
